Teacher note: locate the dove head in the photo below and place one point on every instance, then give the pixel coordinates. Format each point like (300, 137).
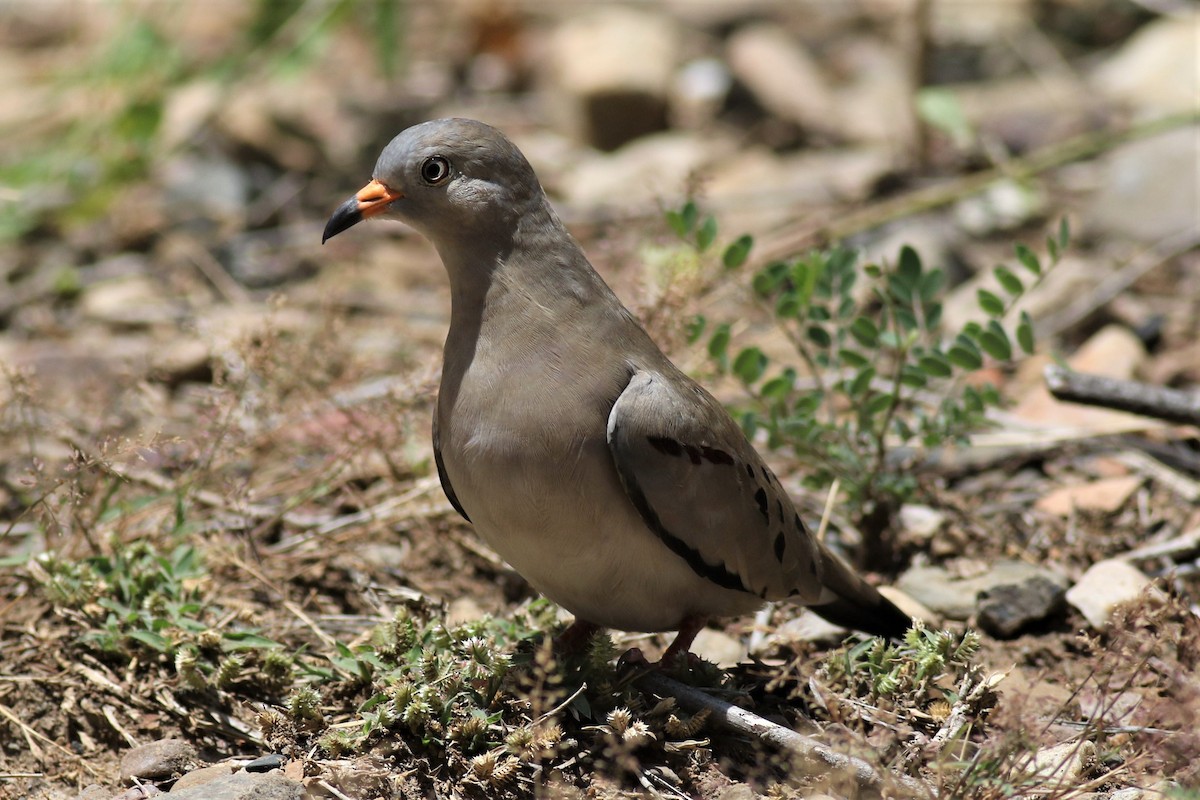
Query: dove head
(455, 181)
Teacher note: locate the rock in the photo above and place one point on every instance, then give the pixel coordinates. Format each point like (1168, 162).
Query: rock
(698, 91)
(210, 188)
(181, 360)
(783, 77)
(876, 106)
(651, 169)
(1103, 587)
(805, 627)
(1063, 764)
(1152, 188)
(159, 760)
(919, 521)
(737, 791)
(1003, 611)
(956, 598)
(1128, 793)
(1105, 496)
(612, 70)
(266, 763)
(1156, 70)
(199, 777)
(94, 792)
(245, 786)
(131, 302)
(718, 647)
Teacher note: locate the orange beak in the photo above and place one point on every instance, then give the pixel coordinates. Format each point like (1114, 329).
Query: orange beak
(370, 200)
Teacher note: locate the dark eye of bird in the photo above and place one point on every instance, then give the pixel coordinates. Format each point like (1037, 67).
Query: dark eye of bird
(435, 169)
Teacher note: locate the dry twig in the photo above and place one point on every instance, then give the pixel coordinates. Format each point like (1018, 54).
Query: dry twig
(1134, 397)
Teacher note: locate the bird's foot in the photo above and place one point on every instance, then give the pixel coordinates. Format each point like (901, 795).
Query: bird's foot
(575, 638)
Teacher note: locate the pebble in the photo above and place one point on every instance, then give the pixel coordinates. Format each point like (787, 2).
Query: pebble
(1156, 70)
(160, 760)
(245, 786)
(1103, 587)
(199, 777)
(1105, 496)
(719, 648)
(1005, 610)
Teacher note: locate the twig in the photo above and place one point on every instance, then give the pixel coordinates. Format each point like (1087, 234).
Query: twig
(1180, 545)
(1117, 282)
(1145, 399)
(813, 756)
(300, 614)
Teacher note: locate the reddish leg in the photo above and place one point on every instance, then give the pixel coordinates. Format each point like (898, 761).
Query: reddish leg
(683, 640)
(575, 637)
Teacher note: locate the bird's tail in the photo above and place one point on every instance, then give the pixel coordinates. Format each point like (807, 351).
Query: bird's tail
(849, 601)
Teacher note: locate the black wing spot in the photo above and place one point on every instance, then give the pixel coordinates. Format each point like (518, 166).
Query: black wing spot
(665, 445)
(693, 453)
(779, 545)
(799, 523)
(750, 471)
(760, 497)
(716, 456)
(779, 507)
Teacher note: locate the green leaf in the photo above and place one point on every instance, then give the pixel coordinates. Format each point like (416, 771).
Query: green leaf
(736, 254)
(1011, 283)
(1028, 258)
(964, 357)
(779, 387)
(990, 303)
(819, 336)
(719, 343)
(912, 377)
(1064, 234)
(909, 267)
(936, 365)
(864, 330)
(862, 382)
(152, 640)
(940, 109)
(930, 285)
(852, 358)
(749, 365)
(1025, 333)
(707, 234)
(1052, 248)
(695, 328)
(996, 344)
(787, 306)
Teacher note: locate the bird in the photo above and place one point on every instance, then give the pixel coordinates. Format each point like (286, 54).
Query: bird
(605, 476)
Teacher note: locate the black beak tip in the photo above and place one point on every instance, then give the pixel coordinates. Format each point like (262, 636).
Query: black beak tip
(346, 216)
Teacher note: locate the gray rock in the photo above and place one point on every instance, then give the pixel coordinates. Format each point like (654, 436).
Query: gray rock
(1003, 611)
(1152, 188)
(245, 786)
(207, 188)
(94, 792)
(956, 598)
(199, 777)
(159, 760)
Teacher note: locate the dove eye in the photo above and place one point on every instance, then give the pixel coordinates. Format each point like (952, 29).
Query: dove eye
(435, 170)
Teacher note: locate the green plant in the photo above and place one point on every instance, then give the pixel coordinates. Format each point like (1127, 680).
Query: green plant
(876, 374)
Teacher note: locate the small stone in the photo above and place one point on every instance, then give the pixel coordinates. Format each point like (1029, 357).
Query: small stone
(910, 605)
(1152, 187)
(94, 792)
(159, 760)
(1003, 611)
(1105, 496)
(1103, 587)
(463, 610)
(199, 777)
(1156, 70)
(131, 302)
(245, 786)
(266, 763)
(920, 521)
(1063, 764)
(738, 791)
(807, 627)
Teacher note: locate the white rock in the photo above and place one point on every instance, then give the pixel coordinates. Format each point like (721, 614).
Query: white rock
(921, 521)
(719, 648)
(1158, 69)
(1063, 764)
(1103, 587)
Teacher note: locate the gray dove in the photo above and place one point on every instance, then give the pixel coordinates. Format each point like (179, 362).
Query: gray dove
(606, 477)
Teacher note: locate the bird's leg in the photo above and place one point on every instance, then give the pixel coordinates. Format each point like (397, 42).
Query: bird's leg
(575, 637)
(683, 640)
